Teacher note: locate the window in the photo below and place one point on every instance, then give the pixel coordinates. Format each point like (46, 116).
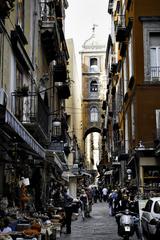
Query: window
(94, 114)
(20, 13)
(93, 86)
(94, 65)
(157, 207)
(155, 56)
(148, 206)
(151, 43)
(93, 61)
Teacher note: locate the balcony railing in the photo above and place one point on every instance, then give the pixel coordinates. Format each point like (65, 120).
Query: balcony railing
(6, 7)
(46, 11)
(120, 28)
(110, 6)
(31, 109)
(155, 73)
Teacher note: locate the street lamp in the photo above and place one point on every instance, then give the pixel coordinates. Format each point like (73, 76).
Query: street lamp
(129, 173)
(56, 127)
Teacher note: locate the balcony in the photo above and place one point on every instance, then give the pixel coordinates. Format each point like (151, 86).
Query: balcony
(120, 28)
(32, 112)
(114, 68)
(60, 73)
(131, 83)
(129, 2)
(6, 7)
(49, 30)
(155, 73)
(123, 48)
(110, 6)
(61, 79)
(52, 34)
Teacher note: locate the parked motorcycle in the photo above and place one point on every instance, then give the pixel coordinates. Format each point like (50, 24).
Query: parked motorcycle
(128, 224)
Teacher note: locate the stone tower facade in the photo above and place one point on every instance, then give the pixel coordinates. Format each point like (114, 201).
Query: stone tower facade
(93, 87)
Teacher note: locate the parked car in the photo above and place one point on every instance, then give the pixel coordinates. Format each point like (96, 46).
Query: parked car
(150, 219)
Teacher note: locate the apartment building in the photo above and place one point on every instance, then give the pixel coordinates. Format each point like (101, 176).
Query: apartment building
(133, 102)
(34, 86)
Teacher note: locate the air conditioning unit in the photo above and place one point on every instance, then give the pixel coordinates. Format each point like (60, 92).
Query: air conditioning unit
(3, 97)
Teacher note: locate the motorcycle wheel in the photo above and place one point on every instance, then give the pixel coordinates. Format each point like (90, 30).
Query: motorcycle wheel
(126, 238)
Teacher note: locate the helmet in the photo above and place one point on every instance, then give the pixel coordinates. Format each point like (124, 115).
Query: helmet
(127, 211)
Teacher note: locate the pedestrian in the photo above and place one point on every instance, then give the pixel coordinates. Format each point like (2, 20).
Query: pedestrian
(104, 194)
(113, 196)
(84, 203)
(5, 228)
(90, 201)
(68, 200)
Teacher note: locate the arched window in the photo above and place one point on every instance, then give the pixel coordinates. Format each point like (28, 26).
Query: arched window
(94, 114)
(93, 86)
(93, 61)
(94, 65)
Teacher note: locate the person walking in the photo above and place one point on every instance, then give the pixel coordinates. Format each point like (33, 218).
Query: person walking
(104, 194)
(90, 201)
(68, 200)
(84, 203)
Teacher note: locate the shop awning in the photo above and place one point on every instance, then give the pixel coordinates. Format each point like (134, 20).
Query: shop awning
(15, 129)
(67, 174)
(52, 157)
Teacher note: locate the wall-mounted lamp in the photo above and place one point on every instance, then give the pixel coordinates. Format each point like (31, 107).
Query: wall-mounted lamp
(129, 173)
(56, 127)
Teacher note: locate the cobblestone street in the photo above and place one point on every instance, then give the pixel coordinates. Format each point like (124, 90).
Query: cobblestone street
(100, 226)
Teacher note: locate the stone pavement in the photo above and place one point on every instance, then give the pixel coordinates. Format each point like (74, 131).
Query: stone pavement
(100, 226)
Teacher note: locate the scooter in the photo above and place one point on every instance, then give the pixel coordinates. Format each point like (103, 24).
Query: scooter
(126, 224)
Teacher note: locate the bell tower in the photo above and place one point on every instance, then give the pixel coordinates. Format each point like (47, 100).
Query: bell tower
(93, 88)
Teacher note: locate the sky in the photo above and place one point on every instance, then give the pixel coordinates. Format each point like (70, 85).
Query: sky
(80, 17)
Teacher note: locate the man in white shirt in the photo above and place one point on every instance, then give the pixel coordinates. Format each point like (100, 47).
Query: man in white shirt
(104, 194)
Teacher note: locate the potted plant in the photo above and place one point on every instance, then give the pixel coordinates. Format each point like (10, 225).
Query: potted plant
(22, 91)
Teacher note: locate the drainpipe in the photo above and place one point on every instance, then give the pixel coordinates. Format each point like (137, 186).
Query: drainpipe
(1, 55)
(34, 28)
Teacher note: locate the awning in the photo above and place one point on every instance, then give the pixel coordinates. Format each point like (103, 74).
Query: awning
(52, 157)
(12, 126)
(67, 174)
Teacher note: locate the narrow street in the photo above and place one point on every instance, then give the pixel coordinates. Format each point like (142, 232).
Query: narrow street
(100, 226)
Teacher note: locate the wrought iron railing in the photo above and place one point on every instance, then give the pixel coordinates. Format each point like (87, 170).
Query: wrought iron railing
(30, 109)
(155, 73)
(6, 7)
(47, 11)
(120, 22)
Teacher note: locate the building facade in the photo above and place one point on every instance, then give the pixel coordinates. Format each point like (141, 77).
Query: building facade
(34, 85)
(93, 85)
(132, 66)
